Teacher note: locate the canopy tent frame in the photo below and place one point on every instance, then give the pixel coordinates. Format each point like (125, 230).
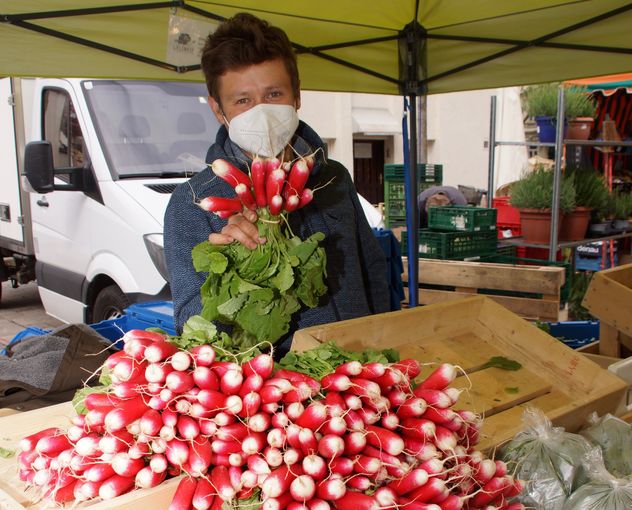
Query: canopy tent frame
(413, 77)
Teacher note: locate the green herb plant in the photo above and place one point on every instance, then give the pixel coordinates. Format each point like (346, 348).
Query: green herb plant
(579, 286)
(535, 191)
(271, 282)
(622, 205)
(541, 100)
(590, 187)
(578, 102)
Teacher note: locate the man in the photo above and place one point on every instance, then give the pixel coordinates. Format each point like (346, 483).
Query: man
(437, 196)
(252, 79)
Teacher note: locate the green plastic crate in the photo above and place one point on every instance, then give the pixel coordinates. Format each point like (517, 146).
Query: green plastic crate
(395, 208)
(453, 245)
(426, 172)
(462, 218)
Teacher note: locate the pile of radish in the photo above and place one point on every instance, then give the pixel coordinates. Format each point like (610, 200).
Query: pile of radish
(361, 438)
(272, 186)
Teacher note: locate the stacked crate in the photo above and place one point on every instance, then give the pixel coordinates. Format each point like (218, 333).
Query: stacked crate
(457, 233)
(428, 175)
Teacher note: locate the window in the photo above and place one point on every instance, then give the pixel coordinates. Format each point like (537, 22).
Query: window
(61, 129)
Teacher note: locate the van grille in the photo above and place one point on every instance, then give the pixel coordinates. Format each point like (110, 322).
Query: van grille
(162, 188)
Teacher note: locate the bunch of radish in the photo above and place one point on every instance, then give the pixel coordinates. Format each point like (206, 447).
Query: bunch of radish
(272, 185)
(360, 439)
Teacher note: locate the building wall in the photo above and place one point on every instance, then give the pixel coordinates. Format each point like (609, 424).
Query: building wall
(457, 133)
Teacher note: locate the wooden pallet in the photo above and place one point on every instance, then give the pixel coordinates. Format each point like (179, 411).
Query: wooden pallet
(541, 283)
(563, 383)
(609, 299)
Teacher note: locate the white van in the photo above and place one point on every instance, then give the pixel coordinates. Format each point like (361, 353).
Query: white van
(99, 161)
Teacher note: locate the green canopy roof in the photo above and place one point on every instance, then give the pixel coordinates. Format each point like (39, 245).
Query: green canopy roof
(344, 45)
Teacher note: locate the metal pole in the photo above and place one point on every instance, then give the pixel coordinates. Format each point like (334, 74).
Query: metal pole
(412, 221)
(557, 174)
(422, 122)
(492, 152)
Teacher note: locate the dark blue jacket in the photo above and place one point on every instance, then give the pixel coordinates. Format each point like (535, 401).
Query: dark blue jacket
(356, 265)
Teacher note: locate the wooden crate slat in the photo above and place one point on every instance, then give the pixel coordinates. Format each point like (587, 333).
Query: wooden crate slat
(609, 297)
(564, 381)
(540, 284)
(528, 308)
(510, 422)
(494, 390)
(485, 275)
(467, 351)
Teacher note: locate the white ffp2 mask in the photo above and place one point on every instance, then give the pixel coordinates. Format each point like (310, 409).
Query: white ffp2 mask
(264, 129)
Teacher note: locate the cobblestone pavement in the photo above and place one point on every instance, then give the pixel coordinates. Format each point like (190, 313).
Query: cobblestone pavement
(21, 308)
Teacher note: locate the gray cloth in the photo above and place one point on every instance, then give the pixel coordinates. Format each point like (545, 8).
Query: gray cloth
(57, 362)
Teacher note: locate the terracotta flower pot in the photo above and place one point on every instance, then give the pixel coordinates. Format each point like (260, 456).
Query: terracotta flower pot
(579, 128)
(575, 224)
(536, 225)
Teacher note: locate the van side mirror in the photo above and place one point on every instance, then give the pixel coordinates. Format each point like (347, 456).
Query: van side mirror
(40, 171)
(38, 167)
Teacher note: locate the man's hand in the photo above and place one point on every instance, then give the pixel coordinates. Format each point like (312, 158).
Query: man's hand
(241, 227)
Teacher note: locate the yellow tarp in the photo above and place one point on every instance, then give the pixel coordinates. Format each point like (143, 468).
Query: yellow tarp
(470, 43)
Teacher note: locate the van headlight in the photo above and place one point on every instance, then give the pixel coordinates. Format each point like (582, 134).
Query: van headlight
(155, 247)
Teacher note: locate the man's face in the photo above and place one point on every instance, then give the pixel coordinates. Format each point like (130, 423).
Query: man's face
(241, 89)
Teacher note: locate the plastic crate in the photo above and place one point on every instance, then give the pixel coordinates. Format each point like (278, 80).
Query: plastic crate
(426, 172)
(461, 218)
(153, 314)
(112, 329)
(453, 245)
(589, 257)
(506, 231)
(575, 334)
(395, 202)
(507, 213)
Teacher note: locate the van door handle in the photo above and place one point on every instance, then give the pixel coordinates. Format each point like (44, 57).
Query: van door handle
(43, 202)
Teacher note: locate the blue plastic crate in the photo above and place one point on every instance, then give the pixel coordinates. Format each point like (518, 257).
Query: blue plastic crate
(112, 329)
(153, 314)
(588, 257)
(575, 334)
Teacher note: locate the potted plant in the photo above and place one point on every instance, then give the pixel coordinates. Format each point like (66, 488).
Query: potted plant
(622, 209)
(591, 193)
(602, 219)
(541, 105)
(533, 195)
(580, 109)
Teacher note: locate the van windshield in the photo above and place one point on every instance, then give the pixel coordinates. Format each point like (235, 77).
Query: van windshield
(148, 129)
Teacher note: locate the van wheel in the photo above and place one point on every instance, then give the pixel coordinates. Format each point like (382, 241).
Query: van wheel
(109, 304)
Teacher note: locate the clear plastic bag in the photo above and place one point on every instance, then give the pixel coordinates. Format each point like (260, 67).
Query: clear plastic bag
(547, 459)
(604, 491)
(614, 437)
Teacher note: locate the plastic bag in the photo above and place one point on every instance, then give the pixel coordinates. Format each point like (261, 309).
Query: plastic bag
(614, 437)
(604, 491)
(547, 459)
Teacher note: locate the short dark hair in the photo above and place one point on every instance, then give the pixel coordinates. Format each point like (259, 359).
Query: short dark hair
(241, 41)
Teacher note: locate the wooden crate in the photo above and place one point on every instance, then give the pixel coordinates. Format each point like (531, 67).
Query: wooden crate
(563, 383)
(467, 278)
(12, 491)
(609, 299)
